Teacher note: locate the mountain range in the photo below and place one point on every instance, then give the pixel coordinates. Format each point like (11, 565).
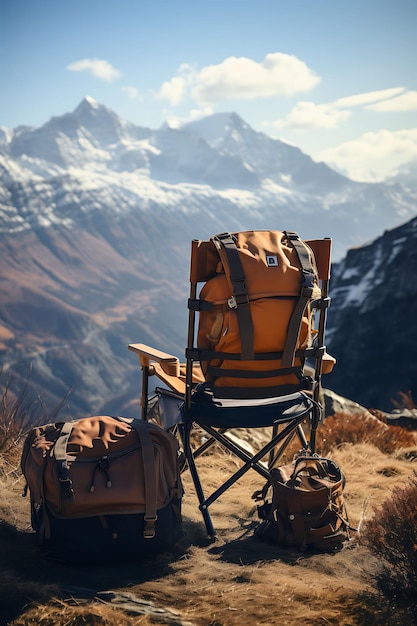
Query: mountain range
(96, 219)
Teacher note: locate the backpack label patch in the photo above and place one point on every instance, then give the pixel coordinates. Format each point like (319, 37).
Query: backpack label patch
(271, 260)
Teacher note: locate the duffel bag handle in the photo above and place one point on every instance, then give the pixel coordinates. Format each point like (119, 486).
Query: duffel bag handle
(318, 467)
(60, 448)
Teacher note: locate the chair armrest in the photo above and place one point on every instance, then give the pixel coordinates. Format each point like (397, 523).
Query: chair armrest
(327, 363)
(147, 355)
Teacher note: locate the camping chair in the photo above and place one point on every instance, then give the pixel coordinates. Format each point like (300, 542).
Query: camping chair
(190, 398)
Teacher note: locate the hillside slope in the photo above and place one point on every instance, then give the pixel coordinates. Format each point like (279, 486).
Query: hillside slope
(372, 327)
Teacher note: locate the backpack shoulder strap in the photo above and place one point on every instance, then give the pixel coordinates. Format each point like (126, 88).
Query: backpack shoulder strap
(229, 256)
(142, 429)
(307, 289)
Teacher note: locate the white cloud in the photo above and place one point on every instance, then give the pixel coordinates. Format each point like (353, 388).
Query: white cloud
(245, 79)
(367, 97)
(373, 155)
(176, 121)
(175, 90)
(405, 102)
(196, 114)
(132, 93)
(240, 78)
(310, 115)
(332, 114)
(97, 67)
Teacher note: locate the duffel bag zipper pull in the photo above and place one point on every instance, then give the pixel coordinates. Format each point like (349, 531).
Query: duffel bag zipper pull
(102, 465)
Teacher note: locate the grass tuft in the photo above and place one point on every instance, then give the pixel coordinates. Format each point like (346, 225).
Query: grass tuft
(391, 535)
(360, 428)
(20, 411)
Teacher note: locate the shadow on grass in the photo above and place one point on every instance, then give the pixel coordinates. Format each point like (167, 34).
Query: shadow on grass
(27, 576)
(248, 549)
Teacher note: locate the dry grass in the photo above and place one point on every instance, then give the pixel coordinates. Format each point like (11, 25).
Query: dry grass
(362, 428)
(391, 534)
(21, 410)
(234, 580)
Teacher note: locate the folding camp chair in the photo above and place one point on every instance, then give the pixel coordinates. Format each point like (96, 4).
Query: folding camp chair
(188, 400)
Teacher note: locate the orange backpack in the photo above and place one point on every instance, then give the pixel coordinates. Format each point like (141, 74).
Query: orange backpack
(255, 321)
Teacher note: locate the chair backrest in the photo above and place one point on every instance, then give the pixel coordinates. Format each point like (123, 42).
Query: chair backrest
(256, 321)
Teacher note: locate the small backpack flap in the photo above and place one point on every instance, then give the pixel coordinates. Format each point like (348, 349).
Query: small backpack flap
(307, 508)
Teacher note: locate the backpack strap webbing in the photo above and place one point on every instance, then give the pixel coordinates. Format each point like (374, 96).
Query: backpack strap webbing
(306, 292)
(229, 256)
(60, 447)
(61, 456)
(141, 427)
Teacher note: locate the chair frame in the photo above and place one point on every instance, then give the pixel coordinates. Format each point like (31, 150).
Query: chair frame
(171, 372)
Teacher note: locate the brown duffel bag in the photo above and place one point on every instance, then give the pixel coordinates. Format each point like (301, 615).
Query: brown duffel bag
(307, 509)
(103, 487)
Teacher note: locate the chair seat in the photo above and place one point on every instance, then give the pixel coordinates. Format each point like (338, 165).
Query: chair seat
(210, 411)
(229, 413)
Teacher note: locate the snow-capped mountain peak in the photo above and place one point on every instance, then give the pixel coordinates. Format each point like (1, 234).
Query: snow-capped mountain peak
(90, 102)
(217, 127)
(96, 118)
(6, 135)
(218, 161)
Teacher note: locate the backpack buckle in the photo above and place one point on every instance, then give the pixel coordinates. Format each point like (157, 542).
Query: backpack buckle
(65, 482)
(238, 299)
(149, 530)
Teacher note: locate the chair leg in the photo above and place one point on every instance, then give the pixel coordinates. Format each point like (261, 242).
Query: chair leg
(249, 462)
(277, 454)
(184, 431)
(315, 419)
(272, 452)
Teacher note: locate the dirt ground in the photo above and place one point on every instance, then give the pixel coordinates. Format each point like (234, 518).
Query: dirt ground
(233, 580)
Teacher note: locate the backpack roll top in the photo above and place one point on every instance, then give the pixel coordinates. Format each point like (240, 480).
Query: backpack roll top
(255, 314)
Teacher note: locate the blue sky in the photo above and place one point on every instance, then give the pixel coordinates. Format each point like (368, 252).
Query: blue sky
(337, 78)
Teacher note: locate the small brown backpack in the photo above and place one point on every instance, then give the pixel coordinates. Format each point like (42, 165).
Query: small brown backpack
(307, 508)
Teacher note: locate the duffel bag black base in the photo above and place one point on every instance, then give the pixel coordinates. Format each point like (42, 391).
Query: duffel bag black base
(110, 538)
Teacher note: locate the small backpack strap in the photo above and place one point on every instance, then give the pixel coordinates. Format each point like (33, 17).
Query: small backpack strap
(229, 255)
(307, 288)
